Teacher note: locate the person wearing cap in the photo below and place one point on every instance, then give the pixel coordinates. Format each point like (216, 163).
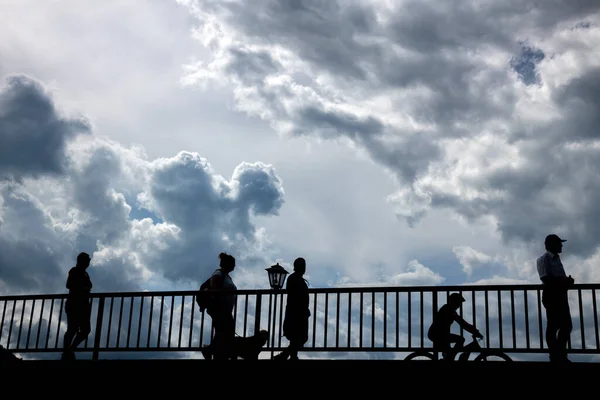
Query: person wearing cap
(555, 298)
(439, 331)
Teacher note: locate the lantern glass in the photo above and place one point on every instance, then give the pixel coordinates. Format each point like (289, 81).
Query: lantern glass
(277, 276)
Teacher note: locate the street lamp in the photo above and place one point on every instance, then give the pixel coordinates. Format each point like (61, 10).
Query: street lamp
(277, 276)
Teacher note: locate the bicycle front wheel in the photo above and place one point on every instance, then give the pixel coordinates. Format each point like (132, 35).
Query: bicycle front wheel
(419, 355)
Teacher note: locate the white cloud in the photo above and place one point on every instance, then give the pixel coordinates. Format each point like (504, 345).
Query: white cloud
(415, 274)
(95, 205)
(471, 258)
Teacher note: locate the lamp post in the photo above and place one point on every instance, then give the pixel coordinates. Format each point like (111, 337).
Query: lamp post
(277, 275)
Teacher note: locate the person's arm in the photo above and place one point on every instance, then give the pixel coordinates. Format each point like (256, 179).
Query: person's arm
(466, 326)
(558, 281)
(69, 281)
(291, 289)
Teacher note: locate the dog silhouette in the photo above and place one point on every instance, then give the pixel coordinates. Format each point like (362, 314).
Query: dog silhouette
(248, 348)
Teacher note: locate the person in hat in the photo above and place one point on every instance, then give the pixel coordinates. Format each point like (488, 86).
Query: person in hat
(555, 298)
(439, 331)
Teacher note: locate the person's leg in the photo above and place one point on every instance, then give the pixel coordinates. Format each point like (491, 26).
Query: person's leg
(224, 334)
(565, 326)
(72, 328)
(295, 346)
(69, 334)
(441, 344)
(552, 323)
(216, 341)
(448, 342)
(458, 341)
(207, 350)
(83, 331)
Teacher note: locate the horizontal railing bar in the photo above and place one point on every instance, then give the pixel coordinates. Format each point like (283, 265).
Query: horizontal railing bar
(341, 290)
(307, 349)
(185, 316)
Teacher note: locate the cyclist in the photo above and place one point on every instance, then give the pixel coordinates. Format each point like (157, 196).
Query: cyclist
(439, 331)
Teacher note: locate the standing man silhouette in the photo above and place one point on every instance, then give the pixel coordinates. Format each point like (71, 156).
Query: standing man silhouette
(77, 307)
(555, 298)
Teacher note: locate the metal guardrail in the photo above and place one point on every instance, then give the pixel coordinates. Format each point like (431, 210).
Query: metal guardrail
(343, 320)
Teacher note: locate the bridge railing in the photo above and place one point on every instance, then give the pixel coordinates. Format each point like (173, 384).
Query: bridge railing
(343, 320)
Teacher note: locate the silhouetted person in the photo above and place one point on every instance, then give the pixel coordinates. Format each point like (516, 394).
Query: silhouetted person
(77, 307)
(555, 298)
(221, 310)
(439, 331)
(295, 323)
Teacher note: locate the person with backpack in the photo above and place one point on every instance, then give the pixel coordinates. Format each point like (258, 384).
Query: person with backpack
(220, 308)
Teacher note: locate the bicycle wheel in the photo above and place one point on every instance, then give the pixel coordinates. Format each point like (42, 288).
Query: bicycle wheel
(419, 355)
(492, 356)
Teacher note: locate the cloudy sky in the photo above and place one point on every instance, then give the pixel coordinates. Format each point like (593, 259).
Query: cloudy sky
(402, 143)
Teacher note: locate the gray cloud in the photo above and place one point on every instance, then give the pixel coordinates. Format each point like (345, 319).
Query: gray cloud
(31, 251)
(579, 99)
(441, 95)
(213, 214)
(32, 132)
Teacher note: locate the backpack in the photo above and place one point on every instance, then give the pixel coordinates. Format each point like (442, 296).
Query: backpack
(204, 299)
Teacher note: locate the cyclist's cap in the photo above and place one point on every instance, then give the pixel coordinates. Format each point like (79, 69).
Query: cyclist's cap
(456, 297)
(552, 238)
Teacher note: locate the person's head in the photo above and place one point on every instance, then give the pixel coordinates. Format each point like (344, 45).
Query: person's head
(455, 300)
(227, 262)
(554, 244)
(83, 260)
(300, 265)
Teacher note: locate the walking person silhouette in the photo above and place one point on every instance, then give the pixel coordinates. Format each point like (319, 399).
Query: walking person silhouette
(221, 310)
(295, 324)
(77, 307)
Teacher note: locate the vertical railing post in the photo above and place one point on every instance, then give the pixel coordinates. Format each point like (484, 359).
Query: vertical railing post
(257, 315)
(434, 309)
(274, 324)
(98, 333)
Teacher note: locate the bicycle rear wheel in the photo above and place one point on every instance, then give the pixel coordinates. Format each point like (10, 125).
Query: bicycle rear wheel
(419, 355)
(492, 356)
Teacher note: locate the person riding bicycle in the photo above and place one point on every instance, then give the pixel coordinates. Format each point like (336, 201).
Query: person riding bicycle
(439, 331)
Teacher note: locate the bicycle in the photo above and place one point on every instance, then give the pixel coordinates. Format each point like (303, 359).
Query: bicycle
(473, 347)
